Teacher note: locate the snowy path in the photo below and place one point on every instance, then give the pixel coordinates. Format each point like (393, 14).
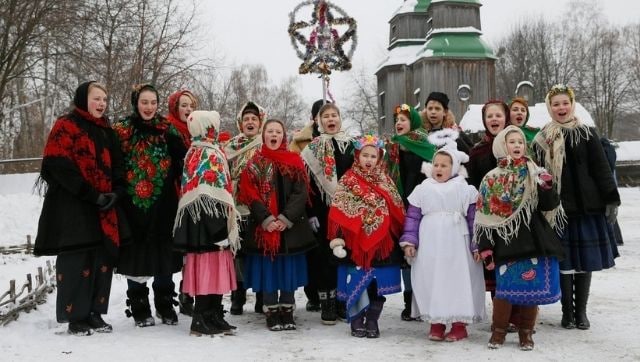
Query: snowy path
(35, 336)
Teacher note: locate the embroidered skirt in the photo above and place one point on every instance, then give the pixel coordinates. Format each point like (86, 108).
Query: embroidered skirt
(209, 273)
(532, 281)
(589, 244)
(353, 282)
(284, 272)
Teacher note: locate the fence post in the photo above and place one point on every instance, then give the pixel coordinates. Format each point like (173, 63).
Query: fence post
(12, 290)
(40, 277)
(29, 284)
(28, 244)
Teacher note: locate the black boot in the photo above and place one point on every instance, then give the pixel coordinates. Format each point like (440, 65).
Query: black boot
(164, 303)
(238, 299)
(80, 328)
(186, 302)
(357, 326)
(199, 322)
(406, 312)
(258, 307)
(313, 303)
(272, 312)
(139, 308)
(286, 317)
(568, 315)
(216, 316)
(328, 307)
(582, 283)
(372, 315)
(98, 324)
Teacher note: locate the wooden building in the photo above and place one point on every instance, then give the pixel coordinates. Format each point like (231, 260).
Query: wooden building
(434, 45)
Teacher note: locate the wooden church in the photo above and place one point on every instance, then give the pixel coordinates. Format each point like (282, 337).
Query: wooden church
(435, 45)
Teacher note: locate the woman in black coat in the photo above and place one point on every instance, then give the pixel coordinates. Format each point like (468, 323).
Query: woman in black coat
(80, 222)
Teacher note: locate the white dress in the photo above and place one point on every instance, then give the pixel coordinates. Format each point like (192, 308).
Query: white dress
(448, 285)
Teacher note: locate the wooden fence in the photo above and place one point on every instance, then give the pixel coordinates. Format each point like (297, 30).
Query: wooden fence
(25, 297)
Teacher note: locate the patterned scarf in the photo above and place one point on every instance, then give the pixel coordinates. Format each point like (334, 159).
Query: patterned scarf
(319, 158)
(206, 183)
(368, 212)
(415, 141)
(508, 193)
(257, 184)
(70, 147)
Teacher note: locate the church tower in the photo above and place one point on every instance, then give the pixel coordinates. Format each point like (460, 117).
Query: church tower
(435, 45)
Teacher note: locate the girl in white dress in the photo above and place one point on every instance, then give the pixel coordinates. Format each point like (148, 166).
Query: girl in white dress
(448, 283)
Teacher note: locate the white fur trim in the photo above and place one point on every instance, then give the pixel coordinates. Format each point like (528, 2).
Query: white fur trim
(339, 252)
(405, 243)
(336, 242)
(443, 137)
(427, 168)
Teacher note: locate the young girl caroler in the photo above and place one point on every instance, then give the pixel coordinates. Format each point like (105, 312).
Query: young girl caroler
(366, 218)
(448, 285)
(515, 238)
(572, 152)
(275, 186)
(206, 225)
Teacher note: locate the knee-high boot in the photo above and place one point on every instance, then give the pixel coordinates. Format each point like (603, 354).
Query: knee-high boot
(582, 283)
(568, 314)
(501, 315)
(528, 315)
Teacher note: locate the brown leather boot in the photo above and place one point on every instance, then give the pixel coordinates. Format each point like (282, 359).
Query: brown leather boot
(501, 315)
(528, 317)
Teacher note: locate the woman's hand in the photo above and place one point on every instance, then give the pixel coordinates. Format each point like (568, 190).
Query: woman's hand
(409, 251)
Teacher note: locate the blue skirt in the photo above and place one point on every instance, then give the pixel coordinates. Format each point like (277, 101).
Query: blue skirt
(354, 281)
(284, 272)
(589, 244)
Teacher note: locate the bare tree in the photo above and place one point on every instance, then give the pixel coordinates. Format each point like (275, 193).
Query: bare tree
(360, 111)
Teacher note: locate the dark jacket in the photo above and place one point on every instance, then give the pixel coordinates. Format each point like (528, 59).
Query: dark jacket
(319, 208)
(481, 161)
(533, 240)
(69, 219)
(587, 182)
(201, 236)
(292, 200)
(410, 173)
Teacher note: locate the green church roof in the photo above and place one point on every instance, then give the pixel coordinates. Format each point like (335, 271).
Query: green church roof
(466, 45)
(422, 5)
(457, 1)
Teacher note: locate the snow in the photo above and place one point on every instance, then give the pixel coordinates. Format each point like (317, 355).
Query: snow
(37, 336)
(408, 6)
(538, 117)
(406, 55)
(628, 150)
(461, 29)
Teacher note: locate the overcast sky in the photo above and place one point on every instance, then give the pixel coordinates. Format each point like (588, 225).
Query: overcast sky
(255, 31)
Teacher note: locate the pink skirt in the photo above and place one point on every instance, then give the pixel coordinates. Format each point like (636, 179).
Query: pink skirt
(209, 273)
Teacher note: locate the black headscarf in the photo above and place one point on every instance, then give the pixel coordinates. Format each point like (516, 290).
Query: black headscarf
(81, 98)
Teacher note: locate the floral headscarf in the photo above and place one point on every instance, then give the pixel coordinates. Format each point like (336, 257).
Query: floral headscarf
(367, 210)
(206, 182)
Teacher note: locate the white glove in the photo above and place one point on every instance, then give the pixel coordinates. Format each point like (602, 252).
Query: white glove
(339, 251)
(315, 224)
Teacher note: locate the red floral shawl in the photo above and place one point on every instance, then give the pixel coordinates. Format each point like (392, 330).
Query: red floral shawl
(257, 184)
(368, 212)
(71, 144)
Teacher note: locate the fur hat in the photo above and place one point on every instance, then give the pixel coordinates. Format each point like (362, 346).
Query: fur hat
(204, 124)
(316, 107)
(438, 97)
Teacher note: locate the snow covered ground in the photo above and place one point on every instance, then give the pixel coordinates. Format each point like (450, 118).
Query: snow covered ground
(36, 336)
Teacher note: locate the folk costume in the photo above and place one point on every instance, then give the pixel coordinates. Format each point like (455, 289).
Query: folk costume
(572, 152)
(154, 153)
(275, 186)
(529, 132)
(206, 225)
(366, 219)
(239, 150)
(448, 285)
(81, 221)
(326, 159)
(512, 231)
(174, 117)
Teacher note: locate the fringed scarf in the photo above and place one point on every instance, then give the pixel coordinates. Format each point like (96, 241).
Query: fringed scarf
(551, 150)
(69, 146)
(319, 158)
(257, 183)
(367, 211)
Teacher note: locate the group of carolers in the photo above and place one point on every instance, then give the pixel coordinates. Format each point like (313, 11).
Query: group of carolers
(347, 218)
